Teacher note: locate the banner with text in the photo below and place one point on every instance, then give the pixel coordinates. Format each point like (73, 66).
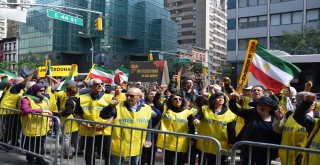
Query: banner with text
(149, 72)
(57, 70)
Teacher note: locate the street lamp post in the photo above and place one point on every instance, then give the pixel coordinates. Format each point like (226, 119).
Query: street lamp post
(91, 49)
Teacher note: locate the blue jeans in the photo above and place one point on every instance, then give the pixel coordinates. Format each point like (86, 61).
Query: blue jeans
(116, 160)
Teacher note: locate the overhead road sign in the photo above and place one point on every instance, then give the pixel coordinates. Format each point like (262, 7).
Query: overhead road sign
(64, 17)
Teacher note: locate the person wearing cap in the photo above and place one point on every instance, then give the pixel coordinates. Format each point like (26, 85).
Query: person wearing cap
(293, 134)
(312, 126)
(257, 128)
(10, 99)
(88, 107)
(217, 121)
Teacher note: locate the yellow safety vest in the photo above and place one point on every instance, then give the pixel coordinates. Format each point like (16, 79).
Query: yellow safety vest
(91, 111)
(10, 100)
(121, 97)
(53, 100)
(121, 142)
(215, 126)
(315, 144)
(292, 134)
(174, 122)
(35, 125)
(62, 96)
(283, 103)
(70, 126)
(240, 120)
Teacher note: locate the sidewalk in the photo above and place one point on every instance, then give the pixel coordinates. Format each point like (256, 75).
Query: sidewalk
(13, 157)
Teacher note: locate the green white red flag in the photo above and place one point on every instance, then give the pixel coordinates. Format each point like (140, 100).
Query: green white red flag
(103, 74)
(271, 71)
(64, 83)
(121, 75)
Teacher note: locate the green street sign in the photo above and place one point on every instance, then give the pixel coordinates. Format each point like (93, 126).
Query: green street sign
(183, 60)
(64, 17)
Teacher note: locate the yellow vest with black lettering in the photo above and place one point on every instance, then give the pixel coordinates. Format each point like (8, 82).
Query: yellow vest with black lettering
(174, 122)
(91, 111)
(35, 125)
(10, 100)
(240, 120)
(121, 142)
(293, 134)
(215, 126)
(315, 145)
(53, 100)
(70, 126)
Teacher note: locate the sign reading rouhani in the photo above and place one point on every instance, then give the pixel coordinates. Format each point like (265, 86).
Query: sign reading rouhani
(57, 70)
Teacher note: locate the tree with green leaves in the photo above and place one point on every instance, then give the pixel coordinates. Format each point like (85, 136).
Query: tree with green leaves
(30, 60)
(306, 41)
(6, 65)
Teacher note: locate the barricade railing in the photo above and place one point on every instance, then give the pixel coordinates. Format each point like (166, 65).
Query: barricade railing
(31, 133)
(268, 147)
(89, 141)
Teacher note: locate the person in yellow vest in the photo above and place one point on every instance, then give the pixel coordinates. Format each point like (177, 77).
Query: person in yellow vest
(88, 107)
(129, 113)
(119, 95)
(10, 99)
(287, 99)
(293, 134)
(312, 126)
(35, 127)
(71, 127)
(175, 118)
(244, 101)
(215, 120)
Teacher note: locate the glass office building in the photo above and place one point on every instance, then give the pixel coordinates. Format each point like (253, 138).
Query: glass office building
(131, 28)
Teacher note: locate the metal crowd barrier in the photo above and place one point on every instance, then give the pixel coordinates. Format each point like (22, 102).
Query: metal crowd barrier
(159, 156)
(27, 137)
(269, 146)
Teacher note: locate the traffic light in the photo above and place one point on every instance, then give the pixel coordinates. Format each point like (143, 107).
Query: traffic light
(98, 24)
(150, 57)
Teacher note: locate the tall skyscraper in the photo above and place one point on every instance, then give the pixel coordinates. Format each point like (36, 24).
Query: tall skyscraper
(131, 28)
(265, 21)
(202, 23)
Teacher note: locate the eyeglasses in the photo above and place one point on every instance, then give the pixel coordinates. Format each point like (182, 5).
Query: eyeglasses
(131, 96)
(42, 90)
(97, 84)
(177, 98)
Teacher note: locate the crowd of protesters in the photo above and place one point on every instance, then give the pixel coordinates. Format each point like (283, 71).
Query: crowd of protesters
(256, 114)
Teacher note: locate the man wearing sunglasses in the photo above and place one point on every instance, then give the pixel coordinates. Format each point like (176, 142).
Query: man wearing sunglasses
(129, 113)
(88, 107)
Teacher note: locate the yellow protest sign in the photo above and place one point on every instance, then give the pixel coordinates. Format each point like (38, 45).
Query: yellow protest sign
(247, 62)
(57, 70)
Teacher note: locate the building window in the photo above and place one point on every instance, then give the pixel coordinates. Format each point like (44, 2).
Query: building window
(297, 17)
(231, 45)
(231, 4)
(252, 22)
(276, 1)
(248, 3)
(312, 15)
(275, 19)
(231, 23)
(243, 43)
(286, 18)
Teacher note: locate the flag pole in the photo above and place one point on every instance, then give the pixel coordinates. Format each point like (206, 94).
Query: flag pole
(88, 77)
(243, 79)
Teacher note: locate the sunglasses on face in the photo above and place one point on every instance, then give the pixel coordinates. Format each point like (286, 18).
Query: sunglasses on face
(98, 84)
(131, 96)
(42, 90)
(177, 98)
